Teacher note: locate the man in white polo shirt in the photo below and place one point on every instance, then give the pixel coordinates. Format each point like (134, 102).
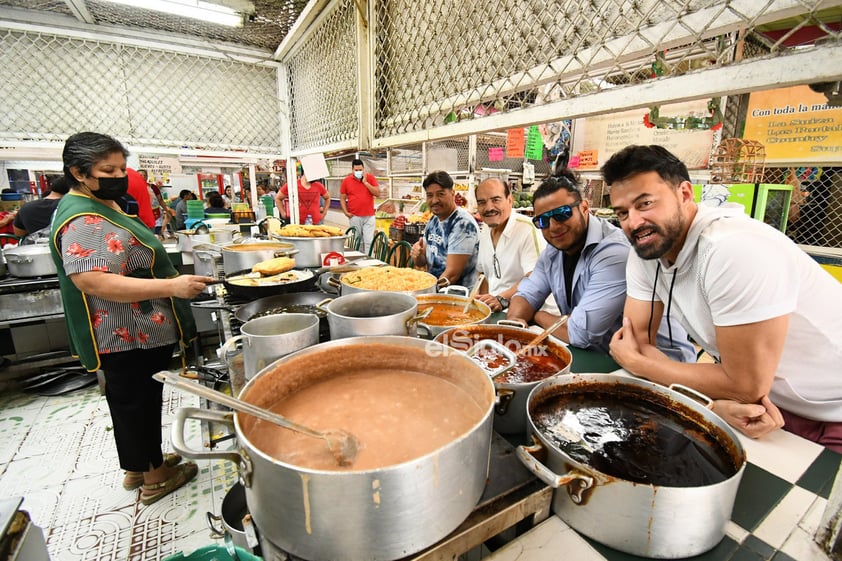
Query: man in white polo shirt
(509, 246)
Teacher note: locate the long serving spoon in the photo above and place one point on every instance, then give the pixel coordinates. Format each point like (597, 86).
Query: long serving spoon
(480, 278)
(543, 335)
(342, 444)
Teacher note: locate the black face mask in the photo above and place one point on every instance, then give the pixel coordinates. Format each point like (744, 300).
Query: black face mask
(111, 188)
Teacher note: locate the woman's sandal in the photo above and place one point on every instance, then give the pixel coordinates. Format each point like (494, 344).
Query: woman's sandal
(152, 492)
(134, 479)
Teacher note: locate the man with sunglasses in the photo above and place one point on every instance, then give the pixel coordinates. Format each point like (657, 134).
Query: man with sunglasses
(766, 311)
(448, 248)
(509, 246)
(583, 267)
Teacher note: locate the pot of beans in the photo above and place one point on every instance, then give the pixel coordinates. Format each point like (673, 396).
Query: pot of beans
(416, 473)
(548, 359)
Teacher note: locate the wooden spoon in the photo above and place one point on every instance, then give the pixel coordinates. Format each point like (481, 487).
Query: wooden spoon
(543, 335)
(480, 278)
(342, 444)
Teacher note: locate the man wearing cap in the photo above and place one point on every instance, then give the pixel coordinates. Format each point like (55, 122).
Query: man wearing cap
(448, 248)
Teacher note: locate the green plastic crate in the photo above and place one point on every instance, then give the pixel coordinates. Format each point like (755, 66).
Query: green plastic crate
(195, 209)
(214, 553)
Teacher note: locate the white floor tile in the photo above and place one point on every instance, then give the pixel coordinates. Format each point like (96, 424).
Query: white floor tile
(765, 453)
(778, 525)
(46, 439)
(549, 541)
(42, 505)
(35, 473)
(800, 545)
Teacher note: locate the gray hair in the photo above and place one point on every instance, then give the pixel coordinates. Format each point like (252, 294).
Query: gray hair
(84, 149)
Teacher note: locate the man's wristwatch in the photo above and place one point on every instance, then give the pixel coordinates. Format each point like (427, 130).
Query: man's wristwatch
(504, 303)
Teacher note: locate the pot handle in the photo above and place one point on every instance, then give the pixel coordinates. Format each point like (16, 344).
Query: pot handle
(512, 323)
(457, 290)
(693, 394)
(526, 455)
(177, 433)
(423, 314)
(286, 252)
(17, 259)
(213, 520)
(511, 358)
(322, 306)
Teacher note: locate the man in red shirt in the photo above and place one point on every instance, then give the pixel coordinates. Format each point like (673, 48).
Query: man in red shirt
(356, 195)
(313, 201)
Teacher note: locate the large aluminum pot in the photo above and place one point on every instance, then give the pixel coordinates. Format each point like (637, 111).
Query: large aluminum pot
(310, 250)
(371, 313)
(668, 519)
(379, 514)
(512, 389)
(32, 260)
(241, 256)
(447, 311)
(266, 339)
(348, 282)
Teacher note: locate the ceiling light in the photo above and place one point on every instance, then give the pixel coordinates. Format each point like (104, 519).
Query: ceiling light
(195, 9)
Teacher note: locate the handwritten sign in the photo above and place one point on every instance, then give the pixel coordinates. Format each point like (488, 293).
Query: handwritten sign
(574, 161)
(588, 158)
(534, 144)
(495, 154)
(159, 168)
(795, 125)
(515, 142)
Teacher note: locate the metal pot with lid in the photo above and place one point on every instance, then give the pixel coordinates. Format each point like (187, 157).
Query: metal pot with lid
(639, 467)
(32, 260)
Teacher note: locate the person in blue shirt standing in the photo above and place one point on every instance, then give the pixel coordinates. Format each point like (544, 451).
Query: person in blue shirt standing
(584, 268)
(448, 249)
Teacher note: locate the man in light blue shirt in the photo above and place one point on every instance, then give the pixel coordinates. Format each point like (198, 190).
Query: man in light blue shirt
(584, 268)
(448, 249)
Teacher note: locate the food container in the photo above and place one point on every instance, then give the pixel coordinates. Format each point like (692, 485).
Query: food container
(636, 466)
(348, 514)
(230, 519)
(391, 279)
(310, 250)
(550, 358)
(447, 311)
(32, 260)
(240, 256)
(268, 338)
(371, 313)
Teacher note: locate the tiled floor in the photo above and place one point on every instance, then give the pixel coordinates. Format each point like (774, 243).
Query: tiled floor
(58, 454)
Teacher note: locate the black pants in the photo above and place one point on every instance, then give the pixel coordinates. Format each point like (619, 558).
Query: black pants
(135, 399)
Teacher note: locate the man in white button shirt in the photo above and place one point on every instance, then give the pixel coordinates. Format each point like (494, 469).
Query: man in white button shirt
(509, 246)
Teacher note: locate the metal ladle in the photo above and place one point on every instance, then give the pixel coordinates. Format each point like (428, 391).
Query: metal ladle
(342, 444)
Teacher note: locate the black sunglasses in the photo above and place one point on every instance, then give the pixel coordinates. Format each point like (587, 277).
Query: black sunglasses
(561, 214)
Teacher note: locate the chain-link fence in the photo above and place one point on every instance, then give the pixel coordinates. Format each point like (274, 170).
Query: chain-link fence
(815, 214)
(54, 86)
(324, 107)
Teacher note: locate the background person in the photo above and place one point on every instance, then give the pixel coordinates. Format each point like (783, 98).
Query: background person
(448, 249)
(313, 200)
(509, 246)
(35, 216)
(125, 304)
(181, 208)
(216, 204)
(769, 314)
(356, 196)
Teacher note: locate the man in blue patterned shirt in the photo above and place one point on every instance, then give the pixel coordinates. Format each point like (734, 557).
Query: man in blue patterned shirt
(448, 249)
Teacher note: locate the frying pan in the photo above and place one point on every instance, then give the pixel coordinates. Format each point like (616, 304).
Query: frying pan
(299, 302)
(306, 281)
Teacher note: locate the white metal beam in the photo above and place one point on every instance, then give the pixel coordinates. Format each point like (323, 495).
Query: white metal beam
(818, 64)
(80, 10)
(302, 27)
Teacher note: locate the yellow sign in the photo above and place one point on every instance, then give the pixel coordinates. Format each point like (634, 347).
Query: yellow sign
(795, 125)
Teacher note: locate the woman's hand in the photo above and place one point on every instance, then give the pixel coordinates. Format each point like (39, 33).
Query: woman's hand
(752, 419)
(188, 286)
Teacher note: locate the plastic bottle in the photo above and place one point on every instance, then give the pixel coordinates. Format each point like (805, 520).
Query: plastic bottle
(309, 219)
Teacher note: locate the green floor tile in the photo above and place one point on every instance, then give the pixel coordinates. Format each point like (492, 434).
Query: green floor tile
(821, 474)
(758, 546)
(758, 494)
(781, 556)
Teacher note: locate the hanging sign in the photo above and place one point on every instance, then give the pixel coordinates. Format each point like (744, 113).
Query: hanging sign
(495, 154)
(588, 158)
(515, 143)
(534, 144)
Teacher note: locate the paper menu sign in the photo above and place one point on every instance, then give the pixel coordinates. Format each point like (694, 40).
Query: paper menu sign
(314, 166)
(515, 141)
(495, 154)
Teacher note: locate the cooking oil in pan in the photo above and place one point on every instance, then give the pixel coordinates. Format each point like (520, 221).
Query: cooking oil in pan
(635, 440)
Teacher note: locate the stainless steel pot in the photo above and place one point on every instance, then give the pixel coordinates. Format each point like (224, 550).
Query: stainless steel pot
(649, 520)
(450, 300)
(347, 288)
(240, 256)
(266, 339)
(380, 514)
(310, 250)
(30, 260)
(372, 313)
(232, 518)
(510, 412)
